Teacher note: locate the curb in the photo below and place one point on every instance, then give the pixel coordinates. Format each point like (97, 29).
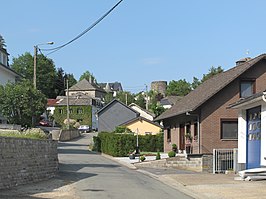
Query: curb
(128, 165)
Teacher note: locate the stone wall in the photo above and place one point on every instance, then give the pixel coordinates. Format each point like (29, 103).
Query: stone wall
(25, 161)
(198, 163)
(66, 135)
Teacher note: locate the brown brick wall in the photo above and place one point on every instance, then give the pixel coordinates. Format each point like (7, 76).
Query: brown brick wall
(215, 109)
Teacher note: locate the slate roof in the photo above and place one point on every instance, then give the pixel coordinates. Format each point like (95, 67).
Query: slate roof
(140, 118)
(170, 100)
(116, 101)
(207, 89)
(85, 85)
(116, 86)
(74, 101)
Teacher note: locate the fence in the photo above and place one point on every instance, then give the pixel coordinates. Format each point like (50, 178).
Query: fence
(225, 160)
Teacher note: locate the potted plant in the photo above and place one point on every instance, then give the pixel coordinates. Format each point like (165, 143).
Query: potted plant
(142, 158)
(174, 148)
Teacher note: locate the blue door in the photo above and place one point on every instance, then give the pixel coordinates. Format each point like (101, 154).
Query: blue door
(253, 137)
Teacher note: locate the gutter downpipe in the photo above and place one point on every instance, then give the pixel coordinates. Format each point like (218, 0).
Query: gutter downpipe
(198, 124)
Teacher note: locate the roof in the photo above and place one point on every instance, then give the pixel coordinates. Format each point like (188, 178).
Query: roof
(170, 100)
(208, 89)
(52, 102)
(116, 101)
(139, 119)
(85, 85)
(144, 110)
(116, 86)
(72, 101)
(244, 101)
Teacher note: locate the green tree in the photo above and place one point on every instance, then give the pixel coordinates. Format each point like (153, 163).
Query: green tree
(212, 72)
(108, 98)
(88, 76)
(157, 109)
(125, 97)
(71, 80)
(180, 87)
(59, 86)
(45, 72)
(140, 100)
(20, 103)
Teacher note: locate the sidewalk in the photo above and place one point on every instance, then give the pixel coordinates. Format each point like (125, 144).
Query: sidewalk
(203, 185)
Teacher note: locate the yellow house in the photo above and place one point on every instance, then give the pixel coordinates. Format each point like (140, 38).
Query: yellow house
(143, 126)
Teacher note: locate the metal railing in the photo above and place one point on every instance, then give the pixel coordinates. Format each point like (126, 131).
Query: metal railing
(225, 160)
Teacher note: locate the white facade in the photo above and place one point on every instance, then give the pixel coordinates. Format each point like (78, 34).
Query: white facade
(242, 129)
(142, 112)
(6, 75)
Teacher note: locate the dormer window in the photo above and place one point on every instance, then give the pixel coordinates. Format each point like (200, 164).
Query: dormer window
(247, 88)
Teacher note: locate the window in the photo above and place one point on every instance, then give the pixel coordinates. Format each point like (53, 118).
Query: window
(79, 110)
(195, 131)
(61, 111)
(247, 88)
(168, 135)
(229, 129)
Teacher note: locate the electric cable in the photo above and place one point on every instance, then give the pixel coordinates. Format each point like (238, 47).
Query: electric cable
(83, 33)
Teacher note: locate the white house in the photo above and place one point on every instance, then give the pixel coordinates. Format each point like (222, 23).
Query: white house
(143, 112)
(252, 131)
(6, 74)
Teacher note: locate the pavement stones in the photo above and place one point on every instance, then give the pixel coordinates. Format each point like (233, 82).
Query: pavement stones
(203, 185)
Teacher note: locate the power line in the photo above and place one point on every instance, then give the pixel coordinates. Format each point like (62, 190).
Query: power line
(84, 32)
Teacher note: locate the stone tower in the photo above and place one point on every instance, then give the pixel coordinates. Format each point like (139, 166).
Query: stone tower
(159, 86)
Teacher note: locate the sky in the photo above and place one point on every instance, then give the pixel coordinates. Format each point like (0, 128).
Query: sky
(141, 40)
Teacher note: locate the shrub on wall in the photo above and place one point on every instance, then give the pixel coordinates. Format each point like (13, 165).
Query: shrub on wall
(119, 145)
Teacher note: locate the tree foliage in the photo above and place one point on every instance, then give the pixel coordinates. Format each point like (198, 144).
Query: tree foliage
(45, 72)
(19, 102)
(179, 88)
(60, 81)
(212, 72)
(125, 97)
(88, 76)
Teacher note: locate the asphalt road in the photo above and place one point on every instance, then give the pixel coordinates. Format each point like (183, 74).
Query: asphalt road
(94, 176)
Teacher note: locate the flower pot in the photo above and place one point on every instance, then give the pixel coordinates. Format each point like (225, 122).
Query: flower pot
(131, 156)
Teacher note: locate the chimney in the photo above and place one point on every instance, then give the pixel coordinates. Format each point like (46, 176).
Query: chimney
(243, 60)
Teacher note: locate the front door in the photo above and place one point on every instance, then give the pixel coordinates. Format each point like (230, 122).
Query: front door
(253, 137)
(182, 137)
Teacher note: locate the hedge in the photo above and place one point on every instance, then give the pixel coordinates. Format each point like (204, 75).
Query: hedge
(120, 145)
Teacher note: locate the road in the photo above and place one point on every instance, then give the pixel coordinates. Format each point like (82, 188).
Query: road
(84, 174)
(95, 176)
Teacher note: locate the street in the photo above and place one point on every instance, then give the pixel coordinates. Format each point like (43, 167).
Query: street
(95, 176)
(84, 174)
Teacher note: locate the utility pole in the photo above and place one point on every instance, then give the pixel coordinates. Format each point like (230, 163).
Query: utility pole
(147, 98)
(34, 66)
(67, 104)
(126, 98)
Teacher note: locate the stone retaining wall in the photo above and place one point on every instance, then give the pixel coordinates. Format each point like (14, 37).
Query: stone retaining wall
(66, 135)
(25, 161)
(199, 163)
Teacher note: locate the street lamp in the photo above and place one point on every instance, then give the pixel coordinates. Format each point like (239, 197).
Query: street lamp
(36, 47)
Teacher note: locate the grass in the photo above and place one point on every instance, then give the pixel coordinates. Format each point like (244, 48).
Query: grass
(33, 133)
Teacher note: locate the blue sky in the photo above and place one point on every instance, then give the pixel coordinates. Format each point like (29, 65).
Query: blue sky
(141, 40)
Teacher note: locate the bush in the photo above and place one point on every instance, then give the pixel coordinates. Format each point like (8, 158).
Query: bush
(119, 145)
(158, 156)
(142, 158)
(171, 154)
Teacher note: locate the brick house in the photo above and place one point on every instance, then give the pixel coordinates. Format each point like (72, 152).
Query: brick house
(203, 115)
